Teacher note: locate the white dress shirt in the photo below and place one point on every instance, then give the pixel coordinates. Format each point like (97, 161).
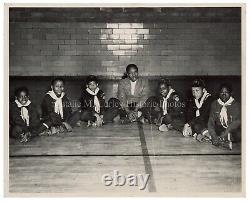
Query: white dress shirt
(133, 87)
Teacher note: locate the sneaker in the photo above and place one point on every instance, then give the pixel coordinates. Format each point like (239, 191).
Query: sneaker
(67, 127)
(47, 132)
(90, 123)
(62, 129)
(158, 122)
(54, 130)
(78, 124)
(170, 127)
(25, 137)
(22, 138)
(125, 120)
(199, 137)
(227, 145)
(220, 142)
(117, 119)
(163, 128)
(141, 120)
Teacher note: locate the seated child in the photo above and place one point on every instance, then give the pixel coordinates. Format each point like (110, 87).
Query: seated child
(24, 118)
(56, 109)
(92, 103)
(225, 118)
(166, 110)
(172, 107)
(198, 109)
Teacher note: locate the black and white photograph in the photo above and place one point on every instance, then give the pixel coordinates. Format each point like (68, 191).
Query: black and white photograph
(125, 100)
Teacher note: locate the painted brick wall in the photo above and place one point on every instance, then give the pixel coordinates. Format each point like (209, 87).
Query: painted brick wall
(105, 48)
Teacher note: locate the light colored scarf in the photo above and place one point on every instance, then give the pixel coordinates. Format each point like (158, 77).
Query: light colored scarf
(223, 111)
(165, 101)
(96, 100)
(199, 104)
(24, 111)
(58, 103)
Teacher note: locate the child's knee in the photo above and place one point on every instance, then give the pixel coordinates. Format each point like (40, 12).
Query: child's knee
(110, 114)
(17, 131)
(87, 116)
(199, 127)
(55, 119)
(167, 119)
(236, 136)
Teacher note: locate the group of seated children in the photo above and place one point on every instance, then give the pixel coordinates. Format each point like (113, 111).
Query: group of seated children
(202, 117)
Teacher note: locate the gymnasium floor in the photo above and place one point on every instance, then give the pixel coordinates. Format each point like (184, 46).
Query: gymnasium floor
(75, 163)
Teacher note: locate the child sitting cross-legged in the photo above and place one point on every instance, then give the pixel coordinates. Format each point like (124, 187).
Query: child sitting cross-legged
(197, 112)
(24, 118)
(225, 118)
(165, 110)
(92, 103)
(56, 109)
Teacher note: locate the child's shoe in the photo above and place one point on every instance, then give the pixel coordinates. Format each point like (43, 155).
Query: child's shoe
(221, 142)
(22, 137)
(54, 130)
(163, 128)
(78, 124)
(141, 120)
(117, 119)
(67, 127)
(25, 137)
(125, 120)
(62, 129)
(46, 132)
(170, 127)
(90, 123)
(158, 122)
(199, 137)
(227, 144)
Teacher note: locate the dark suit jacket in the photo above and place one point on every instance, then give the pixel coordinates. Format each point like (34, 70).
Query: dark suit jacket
(141, 92)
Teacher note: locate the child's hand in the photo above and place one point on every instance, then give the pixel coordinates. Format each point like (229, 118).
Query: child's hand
(67, 126)
(157, 108)
(132, 116)
(187, 130)
(99, 120)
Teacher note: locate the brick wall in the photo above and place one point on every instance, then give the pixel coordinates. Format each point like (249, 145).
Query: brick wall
(42, 46)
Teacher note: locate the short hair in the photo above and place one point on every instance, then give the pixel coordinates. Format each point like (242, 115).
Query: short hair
(91, 78)
(227, 86)
(21, 89)
(57, 79)
(165, 82)
(198, 83)
(130, 66)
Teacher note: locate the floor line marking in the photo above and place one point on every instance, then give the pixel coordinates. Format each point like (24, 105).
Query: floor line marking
(146, 159)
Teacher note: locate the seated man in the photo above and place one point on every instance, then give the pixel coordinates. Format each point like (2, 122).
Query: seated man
(225, 118)
(132, 93)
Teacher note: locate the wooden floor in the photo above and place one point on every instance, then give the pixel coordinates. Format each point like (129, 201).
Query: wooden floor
(75, 163)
